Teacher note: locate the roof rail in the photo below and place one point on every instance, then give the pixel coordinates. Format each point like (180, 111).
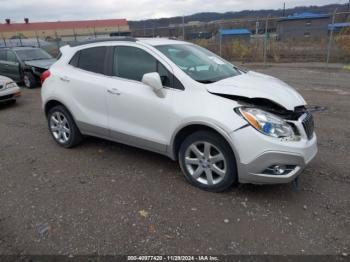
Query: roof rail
(98, 40)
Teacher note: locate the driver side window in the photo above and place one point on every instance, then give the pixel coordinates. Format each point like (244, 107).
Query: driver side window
(132, 63)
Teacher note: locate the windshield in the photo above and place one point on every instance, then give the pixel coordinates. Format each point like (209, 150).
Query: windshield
(32, 54)
(199, 63)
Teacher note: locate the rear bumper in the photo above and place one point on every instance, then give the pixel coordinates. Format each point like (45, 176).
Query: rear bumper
(258, 153)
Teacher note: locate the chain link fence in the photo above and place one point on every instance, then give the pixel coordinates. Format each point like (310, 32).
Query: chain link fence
(264, 44)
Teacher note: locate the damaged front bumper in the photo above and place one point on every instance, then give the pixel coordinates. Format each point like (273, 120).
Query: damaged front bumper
(268, 160)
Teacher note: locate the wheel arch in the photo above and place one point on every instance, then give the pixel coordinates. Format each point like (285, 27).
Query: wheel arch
(189, 129)
(52, 103)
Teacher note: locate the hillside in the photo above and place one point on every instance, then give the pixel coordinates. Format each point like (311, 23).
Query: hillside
(212, 16)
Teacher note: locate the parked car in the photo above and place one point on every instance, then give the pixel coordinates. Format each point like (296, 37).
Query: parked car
(9, 91)
(24, 64)
(223, 124)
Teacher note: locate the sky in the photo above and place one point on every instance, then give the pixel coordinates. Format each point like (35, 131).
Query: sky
(54, 10)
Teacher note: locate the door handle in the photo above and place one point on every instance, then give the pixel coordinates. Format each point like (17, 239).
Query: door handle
(113, 91)
(64, 79)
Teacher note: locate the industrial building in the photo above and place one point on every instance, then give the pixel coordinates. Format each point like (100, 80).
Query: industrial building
(239, 34)
(303, 26)
(65, 30)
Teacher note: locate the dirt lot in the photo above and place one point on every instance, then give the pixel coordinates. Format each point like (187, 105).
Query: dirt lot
(107, 198)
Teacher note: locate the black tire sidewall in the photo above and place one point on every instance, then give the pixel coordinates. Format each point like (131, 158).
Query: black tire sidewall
(75, 135)
(223, 146)
(31, 78)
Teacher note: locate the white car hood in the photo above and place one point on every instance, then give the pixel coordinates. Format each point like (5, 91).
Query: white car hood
(4, 80)
(256, 85)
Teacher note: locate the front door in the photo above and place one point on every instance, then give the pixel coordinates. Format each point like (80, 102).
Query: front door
(136, 114)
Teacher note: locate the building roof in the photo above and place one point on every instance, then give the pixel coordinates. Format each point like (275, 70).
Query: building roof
(239, 31)
(338, 26)
(305, 15)
(37, 26)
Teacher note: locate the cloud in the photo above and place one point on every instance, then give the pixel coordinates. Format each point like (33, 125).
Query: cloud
(53, 10)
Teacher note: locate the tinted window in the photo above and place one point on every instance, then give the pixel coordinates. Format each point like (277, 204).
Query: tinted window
(3, 55)
(74, 61)
(132, 63)
(93, 59)
(165, 75)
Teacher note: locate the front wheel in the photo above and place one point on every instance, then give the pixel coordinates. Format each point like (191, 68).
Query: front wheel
(63, 128)
(208, 162)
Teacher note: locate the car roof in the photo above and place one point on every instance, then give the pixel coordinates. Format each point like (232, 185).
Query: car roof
(15, 48)
(147, 41)
(160, 41)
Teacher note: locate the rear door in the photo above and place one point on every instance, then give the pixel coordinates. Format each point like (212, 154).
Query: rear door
(82, 83)
(12, 66)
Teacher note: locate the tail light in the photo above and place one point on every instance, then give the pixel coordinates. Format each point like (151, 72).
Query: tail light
(44, 75)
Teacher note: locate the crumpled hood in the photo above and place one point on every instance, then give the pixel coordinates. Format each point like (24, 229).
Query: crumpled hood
(44, 64)
(256, 85)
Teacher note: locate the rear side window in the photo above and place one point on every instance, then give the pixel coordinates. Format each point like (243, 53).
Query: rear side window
(90, 59)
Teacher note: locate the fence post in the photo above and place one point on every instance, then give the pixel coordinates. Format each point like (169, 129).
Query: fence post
(220, 40)
(265, 40)
(183, 28)
(57, 41)
(37, 38)
(331, 38)
(3, 38)
(20, 39)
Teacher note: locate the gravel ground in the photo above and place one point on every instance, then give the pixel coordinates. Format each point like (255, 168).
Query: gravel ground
(108, 198)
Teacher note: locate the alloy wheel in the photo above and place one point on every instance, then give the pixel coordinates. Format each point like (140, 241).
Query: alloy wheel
(60, 128)
(205, 163)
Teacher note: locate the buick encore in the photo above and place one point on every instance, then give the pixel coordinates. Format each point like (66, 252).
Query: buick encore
(223, 124)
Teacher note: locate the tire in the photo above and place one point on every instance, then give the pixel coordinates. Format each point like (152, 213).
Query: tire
(29, 80)
(63, 128)
(220, 165)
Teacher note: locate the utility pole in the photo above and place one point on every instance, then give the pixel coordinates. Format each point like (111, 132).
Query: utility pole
(331, 37)
(284, 9)
(265, 40)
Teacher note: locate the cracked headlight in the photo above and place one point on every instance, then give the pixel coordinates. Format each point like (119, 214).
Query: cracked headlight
(266, 123)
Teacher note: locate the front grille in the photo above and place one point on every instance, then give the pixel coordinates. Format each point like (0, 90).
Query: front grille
(308, 124)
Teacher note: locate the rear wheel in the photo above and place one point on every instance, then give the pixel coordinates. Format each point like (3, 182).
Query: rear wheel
(63, 128)
(208, 161)
(29, 80)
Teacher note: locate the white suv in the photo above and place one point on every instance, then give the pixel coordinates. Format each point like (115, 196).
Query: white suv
(223, 124)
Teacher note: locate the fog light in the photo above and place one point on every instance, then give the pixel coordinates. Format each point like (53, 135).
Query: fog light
(278, 170)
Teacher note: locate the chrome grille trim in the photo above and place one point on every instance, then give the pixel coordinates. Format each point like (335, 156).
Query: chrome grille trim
(308, 124)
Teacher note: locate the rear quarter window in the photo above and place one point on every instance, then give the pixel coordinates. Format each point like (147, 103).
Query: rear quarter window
(90, 59)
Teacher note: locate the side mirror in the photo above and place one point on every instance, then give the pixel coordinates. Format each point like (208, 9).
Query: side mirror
(153, 80)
